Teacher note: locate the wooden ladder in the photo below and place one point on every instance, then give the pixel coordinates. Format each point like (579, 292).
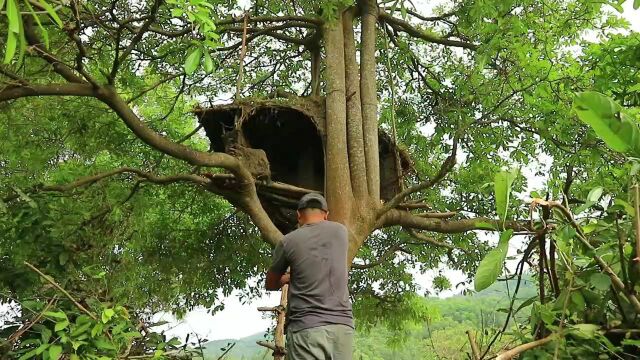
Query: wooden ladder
(279, 351)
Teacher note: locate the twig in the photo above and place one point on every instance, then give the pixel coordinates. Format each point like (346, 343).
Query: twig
(226, 351)
(15, 336)
(242, 54)
(524, 347)
(615, 280)
(474, 346)
(636, 192)
(563, 317)
(57, 286)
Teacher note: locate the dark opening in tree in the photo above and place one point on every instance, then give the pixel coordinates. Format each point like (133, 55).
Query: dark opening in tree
(292, 144)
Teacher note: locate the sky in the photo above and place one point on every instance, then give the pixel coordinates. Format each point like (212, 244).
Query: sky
(238, 320)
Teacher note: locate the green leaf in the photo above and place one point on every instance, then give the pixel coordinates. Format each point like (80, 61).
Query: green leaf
(600, 281)
(56, 315)
(34, 352)
(595, 194)
(208, 63)
(103, 344)
(107, 314)
(13, 16)
(52, 12)
(491, 266)
(585, 331)
(578, 300)
(502, 186)
(54, 352)
(63, 258)
(631, 342)
(611, 125)
(61, 325)
(193, 61)
(636, 4)
(526, 303)
(627, 207)
(96, 330)
(80, 329)
(10, 48)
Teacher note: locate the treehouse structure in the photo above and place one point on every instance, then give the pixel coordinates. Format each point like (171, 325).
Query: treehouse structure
(282, 142)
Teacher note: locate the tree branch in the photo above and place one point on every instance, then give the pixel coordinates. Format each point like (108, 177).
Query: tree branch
(26, 90)
(401, 25)
(406, 219)
(507, 355)
(446, 166)
(136, 39)
(59, 67)
(92, 179)
(428, 240)
(158, 142)
(381, 259)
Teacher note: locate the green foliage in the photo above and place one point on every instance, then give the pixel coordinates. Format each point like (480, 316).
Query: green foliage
(16, 41)
(613, 125)
(51, 328)
(491, 266)
(502, 186)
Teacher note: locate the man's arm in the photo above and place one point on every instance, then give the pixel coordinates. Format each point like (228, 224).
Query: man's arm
(275, 280)
(277, 275)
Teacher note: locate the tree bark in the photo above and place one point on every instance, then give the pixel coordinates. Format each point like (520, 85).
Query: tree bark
(369, 96)
(355, 141)
(337, 176)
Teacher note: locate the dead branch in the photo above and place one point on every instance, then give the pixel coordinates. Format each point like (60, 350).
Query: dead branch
(474, 346)
(510, 354)
(57, 286)
(16, 336)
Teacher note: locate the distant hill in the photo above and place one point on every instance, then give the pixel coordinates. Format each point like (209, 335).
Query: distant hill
(244, 349)
(443, 338)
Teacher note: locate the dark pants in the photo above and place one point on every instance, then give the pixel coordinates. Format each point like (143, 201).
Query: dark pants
(328, 342)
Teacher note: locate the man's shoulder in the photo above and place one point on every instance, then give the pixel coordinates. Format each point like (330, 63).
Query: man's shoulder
(335, 225)
(302, 232)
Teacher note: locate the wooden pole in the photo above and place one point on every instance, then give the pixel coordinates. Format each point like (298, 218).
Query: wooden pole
(279, 351)
(279, 337)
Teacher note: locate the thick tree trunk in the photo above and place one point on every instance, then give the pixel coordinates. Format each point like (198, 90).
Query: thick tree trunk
(355, 141)
(369, 95)
(338, 188)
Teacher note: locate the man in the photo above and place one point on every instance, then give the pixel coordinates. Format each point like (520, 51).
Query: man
(319, 317)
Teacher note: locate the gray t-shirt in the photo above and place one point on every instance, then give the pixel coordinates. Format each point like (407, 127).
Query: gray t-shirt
(318, 292)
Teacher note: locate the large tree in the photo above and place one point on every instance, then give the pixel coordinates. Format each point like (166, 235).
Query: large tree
(454, 96)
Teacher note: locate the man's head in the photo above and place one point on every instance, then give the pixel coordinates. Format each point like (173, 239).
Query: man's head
(312, 208)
